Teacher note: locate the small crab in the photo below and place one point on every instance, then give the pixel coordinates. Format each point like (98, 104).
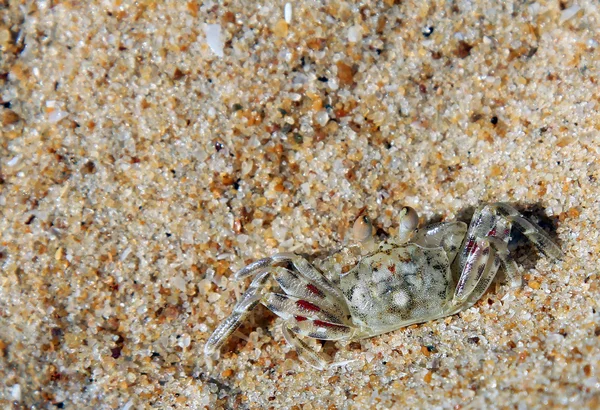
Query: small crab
(418, 276)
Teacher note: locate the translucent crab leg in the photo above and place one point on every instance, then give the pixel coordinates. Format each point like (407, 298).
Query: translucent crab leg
(300, 264)
(318, 329)
(539, 238)
(288, 306)
(260, 264)
(296, 285)
(475, 268)
(248, 301)
(510, 266)
(532, 231)
(475, 285)
(312, 297)
(448, 235)
(314, 359)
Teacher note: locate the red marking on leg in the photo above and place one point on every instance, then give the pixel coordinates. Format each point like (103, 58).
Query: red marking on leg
(300, 318)
(314, 290)
(308, 306)
(506, 232)
(492, 232)
(469, 246)
(392, 268)
(471, 251)
(327, 324)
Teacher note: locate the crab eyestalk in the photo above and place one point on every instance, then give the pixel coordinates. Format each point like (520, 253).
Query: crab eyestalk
(409, 221)
(362, 232)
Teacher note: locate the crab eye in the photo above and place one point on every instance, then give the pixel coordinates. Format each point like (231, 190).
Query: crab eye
(409, 219)
(362, 229)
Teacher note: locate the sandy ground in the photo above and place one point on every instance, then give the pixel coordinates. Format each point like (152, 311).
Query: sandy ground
(149, 150)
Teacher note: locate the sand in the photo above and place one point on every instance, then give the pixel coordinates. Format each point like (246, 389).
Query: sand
(147, 151)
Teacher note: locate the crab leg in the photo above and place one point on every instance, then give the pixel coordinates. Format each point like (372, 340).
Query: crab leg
(261, 264)
(300, 264)
(532, 231)
(242, 309)
(510, 266)
(485, 248)
(299, 286)
(289, 306)
(315, 359)
(475, 269)
(539, 238)
(309, 297)
(448, 235)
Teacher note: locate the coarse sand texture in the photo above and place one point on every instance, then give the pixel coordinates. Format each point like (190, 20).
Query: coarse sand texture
(149, 149)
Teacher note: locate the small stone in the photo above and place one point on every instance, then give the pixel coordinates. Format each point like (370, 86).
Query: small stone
(9, 117)
(463, 50)
(205, 285)
(4, 36)
(13, 161)
(322, 118)
(564, 141)
(473, 340)
(16, 392)
(345, 73)
(57, 115)
(228, 17)
(184, 341)
(355, 34)
(281, 28)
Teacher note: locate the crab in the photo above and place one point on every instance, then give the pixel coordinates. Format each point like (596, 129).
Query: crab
(365, 290)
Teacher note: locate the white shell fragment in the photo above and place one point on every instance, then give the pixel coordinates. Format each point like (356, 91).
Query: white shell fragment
(568, 14)
(214, 39)
(13, 161)
(287, 12)
(57, 115)
(16, 392)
